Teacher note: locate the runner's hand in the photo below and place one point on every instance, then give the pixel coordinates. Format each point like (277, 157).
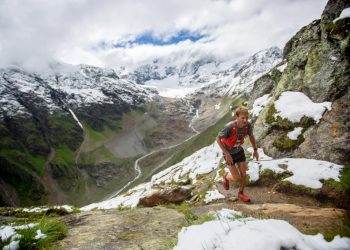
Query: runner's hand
(256, 155)
(228, 158)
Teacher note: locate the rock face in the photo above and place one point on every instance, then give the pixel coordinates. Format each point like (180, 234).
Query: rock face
(144, 228)
(173, 195)
(316, 63)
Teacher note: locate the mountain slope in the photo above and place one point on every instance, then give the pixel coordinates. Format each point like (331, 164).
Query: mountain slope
(43, 120)
(207, 74)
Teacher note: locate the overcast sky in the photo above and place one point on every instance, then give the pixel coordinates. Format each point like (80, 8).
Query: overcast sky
(124, 32)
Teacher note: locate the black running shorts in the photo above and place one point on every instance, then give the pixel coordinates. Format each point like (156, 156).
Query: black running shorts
(238, 157)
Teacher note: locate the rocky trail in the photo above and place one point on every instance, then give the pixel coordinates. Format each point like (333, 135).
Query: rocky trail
(157, 227)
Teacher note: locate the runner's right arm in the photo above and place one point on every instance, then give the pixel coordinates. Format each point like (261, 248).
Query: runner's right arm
(228, 157)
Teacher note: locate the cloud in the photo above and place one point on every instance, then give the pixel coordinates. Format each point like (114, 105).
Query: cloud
(34, 32)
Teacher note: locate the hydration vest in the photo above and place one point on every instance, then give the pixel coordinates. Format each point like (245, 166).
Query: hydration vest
(231, 141)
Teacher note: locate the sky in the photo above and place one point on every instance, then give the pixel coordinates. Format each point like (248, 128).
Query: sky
(112, 33)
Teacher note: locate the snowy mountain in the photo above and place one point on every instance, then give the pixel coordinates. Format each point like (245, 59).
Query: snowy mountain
(82, 85)
(239, 79)
(205, 75)
(65, 86)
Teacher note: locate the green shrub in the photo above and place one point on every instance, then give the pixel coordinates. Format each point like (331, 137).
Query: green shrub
(270, 118)
(344, 184)
(285, 143)
(306, 122)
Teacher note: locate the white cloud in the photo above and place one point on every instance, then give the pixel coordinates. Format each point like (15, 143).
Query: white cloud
(35, 31)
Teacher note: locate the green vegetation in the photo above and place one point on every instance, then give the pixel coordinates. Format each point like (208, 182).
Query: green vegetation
(102, 154)
(344, 184)
(276, 75)
(283, 123)
(190, 217)
(103, 135)
(170, 243)
(64, 156)
(50, 212)
(338, 191)
(285, 143)
(93, 134)
(306, 122)
(64, 130)
(268, 177)
(53, 229)
(342, 229)
(24, 160)
(123, 208)
(338, 29)
(288, 187)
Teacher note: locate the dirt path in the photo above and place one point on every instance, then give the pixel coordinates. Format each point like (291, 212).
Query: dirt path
(263, 194)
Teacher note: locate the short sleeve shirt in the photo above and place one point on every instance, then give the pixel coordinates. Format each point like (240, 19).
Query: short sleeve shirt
(227, 131)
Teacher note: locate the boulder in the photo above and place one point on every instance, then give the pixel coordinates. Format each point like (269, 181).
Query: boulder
(171, 195)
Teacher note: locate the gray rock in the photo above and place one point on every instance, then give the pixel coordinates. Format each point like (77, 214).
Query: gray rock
(143, 228)
(172, 195)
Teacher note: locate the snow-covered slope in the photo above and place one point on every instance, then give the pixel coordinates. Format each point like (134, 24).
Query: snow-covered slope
(67, 85)
(307, 172)
(208, 75)
(240, 78)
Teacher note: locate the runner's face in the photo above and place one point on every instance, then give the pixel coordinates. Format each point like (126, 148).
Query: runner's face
(242, 119)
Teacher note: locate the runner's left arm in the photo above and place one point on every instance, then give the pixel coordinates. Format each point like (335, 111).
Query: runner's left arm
(255, 148)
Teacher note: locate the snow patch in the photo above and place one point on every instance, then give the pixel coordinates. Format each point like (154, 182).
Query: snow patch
(6, 232)
(130, 199)
(306, 172)
(344, 14)
(9, 232)
(27, 226)
(294, 105)
(75, 118)
(259, 104)
(250, 233)
(39, 235)
(169, 87)
(226, 214)
(212, 196)
(12, 246)
(202, 161)
(282, 67)
(293, 135)
(69, 209)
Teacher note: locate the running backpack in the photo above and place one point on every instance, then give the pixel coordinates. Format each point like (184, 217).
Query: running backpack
(231, 141)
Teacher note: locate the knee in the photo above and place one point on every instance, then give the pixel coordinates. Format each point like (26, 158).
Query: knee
(238, 179)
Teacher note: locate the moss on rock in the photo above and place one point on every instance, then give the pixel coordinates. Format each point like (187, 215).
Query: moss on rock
(285, 143)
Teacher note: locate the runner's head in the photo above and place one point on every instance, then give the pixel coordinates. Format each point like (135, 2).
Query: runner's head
(241, 114)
